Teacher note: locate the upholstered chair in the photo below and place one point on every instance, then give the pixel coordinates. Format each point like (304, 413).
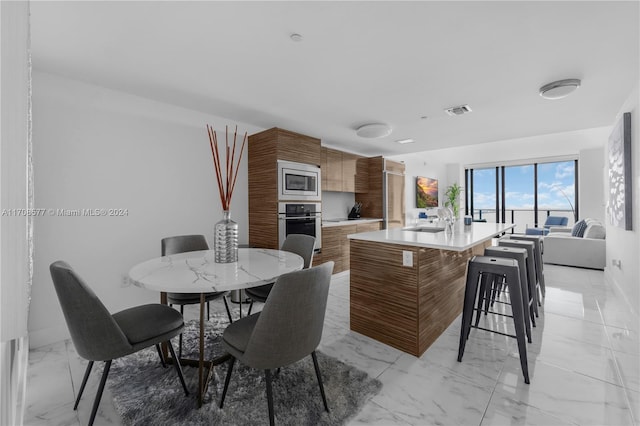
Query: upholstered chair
(100, 336)
(288, 328)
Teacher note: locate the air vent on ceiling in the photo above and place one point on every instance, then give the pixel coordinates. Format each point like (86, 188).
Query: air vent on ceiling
(458, 110)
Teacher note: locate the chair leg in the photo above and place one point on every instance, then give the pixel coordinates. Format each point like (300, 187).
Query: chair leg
(84, 383)
(178, 367)
(164, 365)
(315, 365)
(267, 376)
(208, 312)
(180, 338)
(103, 380)
(226, 305)
(250, 306)
(227, 380)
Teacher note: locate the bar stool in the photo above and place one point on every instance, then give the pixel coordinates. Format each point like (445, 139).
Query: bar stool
(539, 250)
(479, 266)
(534, 286)
(520, 255)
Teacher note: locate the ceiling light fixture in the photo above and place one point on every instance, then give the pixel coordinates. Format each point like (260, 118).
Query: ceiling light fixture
(295, 37)
(408, 140)
(559, 89)
(374, 130)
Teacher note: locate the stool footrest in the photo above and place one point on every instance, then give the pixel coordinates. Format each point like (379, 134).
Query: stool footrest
(494, 331)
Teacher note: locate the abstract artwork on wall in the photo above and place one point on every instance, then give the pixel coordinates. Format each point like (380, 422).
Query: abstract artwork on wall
(620, 177)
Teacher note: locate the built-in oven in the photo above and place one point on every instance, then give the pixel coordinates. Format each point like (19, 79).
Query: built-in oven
(298, 181)
(300, 218)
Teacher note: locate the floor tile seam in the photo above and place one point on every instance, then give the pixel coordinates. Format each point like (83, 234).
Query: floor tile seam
(73, 386)
(569, 370)
(600, 309)
(581, 319)
(625, 388)
(493, 391)
(371, 401)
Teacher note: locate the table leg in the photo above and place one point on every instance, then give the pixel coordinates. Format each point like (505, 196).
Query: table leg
(201, 357)
(163, 345)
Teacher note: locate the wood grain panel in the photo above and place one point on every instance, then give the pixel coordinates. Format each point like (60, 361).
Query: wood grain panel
(383, 298)
(334, 170)
(298, 147)
(406, 307)
(344, 244)
(349, 171)
(362, 175)
(331, 247)
(372, 201)
(324, 168)
(368, 227)
(263, 189)
(394, 166)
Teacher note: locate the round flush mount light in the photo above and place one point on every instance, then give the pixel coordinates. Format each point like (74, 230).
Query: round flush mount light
(559, 89)
(374, 130)
(295, 37)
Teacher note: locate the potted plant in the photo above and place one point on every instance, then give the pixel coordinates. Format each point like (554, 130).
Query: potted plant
(453, 196)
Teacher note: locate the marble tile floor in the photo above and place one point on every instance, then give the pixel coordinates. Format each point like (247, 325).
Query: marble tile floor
(584, 364)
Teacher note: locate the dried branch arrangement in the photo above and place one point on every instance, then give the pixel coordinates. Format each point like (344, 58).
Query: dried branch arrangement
(226, 180)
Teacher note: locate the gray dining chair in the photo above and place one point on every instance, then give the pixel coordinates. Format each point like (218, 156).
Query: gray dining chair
(183, 244)
(288, 328)
(300, 244)
(100, 336)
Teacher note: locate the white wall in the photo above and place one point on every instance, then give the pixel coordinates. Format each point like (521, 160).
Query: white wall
(15, 248)
(442, 164)
(99, 148)
(591, 176)
(625, 245)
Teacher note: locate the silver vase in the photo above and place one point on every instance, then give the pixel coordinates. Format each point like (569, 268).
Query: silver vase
(225, 242)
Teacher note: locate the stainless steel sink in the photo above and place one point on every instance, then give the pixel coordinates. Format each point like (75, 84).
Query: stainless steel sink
(426, 229)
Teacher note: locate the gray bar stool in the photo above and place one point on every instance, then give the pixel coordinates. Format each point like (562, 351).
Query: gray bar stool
(478, 266)
(520, 255)
(539, 250)
(534, 285)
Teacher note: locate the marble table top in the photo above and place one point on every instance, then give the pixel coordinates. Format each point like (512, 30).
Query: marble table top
(197, 271)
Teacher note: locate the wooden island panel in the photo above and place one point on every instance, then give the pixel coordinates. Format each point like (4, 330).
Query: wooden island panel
(406, 307)
(384, 312)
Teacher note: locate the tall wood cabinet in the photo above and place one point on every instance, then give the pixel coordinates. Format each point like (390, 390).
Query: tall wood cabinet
(373, 200)
(263, 152)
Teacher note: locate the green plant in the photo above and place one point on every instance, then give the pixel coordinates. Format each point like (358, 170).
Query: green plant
(453, 195)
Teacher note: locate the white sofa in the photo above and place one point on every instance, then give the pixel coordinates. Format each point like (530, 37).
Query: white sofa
(589, 251)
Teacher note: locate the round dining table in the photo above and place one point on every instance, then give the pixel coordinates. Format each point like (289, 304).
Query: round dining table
(198, 272)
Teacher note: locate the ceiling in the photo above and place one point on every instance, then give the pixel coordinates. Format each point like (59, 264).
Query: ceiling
(358, 62)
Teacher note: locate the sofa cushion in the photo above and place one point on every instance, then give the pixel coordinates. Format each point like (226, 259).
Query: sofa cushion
(579, 228)
(595, 230)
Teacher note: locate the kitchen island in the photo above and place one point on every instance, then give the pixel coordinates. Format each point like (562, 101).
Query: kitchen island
(407, 285)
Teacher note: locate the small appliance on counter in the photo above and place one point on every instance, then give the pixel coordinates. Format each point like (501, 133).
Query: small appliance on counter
(355, 211)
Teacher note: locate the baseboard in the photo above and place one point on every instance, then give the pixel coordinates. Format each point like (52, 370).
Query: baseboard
(47, 336)
(611, 281)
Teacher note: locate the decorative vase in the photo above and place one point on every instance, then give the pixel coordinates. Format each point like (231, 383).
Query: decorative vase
(226, 240)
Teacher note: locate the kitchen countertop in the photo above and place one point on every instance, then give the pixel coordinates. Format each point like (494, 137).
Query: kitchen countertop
(462, 238)
(344, 221)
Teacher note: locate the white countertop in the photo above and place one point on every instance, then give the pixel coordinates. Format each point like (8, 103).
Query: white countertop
(462, 238)
(345, 221)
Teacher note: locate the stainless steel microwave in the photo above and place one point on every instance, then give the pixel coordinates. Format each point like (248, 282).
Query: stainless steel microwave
(298, 181)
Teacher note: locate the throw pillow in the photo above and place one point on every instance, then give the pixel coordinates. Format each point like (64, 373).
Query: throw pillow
(579, 228)
(595, 230)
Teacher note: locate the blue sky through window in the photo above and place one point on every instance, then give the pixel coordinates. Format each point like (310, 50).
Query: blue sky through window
(556, 183)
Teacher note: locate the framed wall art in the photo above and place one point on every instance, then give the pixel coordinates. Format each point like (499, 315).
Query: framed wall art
(620, 177)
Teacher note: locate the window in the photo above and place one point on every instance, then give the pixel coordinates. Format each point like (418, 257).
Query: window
(523, 194)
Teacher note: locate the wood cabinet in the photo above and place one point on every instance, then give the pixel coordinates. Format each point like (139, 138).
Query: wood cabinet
(335, 244)
(339, 170)
(263, 152)
(331, 166)
(373, 202)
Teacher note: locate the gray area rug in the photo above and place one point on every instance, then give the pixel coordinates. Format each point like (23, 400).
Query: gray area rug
(144, 393)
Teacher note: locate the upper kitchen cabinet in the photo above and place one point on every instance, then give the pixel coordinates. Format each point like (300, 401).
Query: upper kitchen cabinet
(339, 171)
(385, 194)
(331, 165)
(264, 151)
